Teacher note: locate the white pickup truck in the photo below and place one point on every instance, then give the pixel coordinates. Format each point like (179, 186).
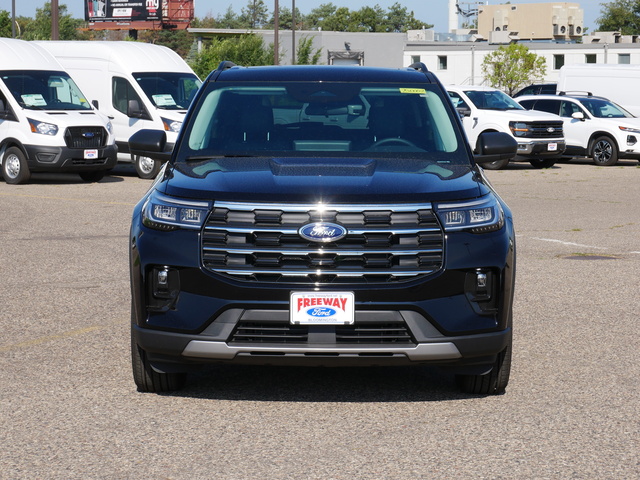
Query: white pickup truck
(483, 109)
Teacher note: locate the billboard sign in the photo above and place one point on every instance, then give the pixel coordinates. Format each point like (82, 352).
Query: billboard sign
(123, 10)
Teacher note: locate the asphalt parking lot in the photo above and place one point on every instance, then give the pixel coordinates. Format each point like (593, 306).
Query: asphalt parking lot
(69, 408)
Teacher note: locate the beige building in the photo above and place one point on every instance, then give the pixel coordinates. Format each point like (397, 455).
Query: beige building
(559, 21)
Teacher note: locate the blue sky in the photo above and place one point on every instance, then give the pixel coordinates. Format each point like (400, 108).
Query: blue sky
(430, 11)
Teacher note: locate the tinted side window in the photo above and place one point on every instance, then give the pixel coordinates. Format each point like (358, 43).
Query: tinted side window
(122, 92)
(551, 106)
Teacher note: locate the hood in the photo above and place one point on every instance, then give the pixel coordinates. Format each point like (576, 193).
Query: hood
(327, 180)
(522, 115)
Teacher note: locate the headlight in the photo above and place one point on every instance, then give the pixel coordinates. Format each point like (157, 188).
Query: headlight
(629, 129)
(43, 127)
(171, 125)
(519, 129)
(161, 212)
(481, 216)
(110, 128)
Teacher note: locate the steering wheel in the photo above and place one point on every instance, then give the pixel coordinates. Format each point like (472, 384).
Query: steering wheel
(391, 140)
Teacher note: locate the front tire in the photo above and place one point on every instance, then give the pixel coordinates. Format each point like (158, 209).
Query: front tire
(493, 383)
(14, 167)
(146, 167)
(604, 151)
(497, 165)
(94, 176)
(149, 380)
(542, 162)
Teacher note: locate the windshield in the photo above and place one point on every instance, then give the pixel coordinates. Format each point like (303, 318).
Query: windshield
(492, 100)
(323, 120)
(44, 90)
(601, 108)
(169, 91)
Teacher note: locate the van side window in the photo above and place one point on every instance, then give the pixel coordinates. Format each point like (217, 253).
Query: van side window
(122, 92)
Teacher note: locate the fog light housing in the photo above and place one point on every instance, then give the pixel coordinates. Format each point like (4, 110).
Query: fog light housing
(164, 288)
(481, 290)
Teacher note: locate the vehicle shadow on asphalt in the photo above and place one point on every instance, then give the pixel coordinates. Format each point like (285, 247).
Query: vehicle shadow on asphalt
(319, 384)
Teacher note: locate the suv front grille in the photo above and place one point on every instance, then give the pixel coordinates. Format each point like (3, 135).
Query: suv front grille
(551, 129)
(85, 137)
(370, 333)
(384, 243)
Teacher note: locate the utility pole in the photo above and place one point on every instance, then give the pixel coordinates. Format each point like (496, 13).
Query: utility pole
(276, 24)
(293, 32)
(13, 18)
(55, 21)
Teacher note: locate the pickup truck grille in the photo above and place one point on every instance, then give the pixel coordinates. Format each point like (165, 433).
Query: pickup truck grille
(262, 243)
(85, 137)
(551, 129)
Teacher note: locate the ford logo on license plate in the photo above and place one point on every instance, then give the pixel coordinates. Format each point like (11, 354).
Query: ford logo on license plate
(322, 232)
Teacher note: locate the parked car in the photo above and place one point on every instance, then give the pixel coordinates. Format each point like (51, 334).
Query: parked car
(537, 89)
(322, 215)
(593, 126)
(484, 109)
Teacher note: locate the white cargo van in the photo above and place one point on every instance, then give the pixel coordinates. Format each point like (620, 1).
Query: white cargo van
(138, 85)
(46, 124)
(618, 83)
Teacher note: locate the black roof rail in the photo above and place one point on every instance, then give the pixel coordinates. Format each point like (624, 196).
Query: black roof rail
(578, 92)
(225, 65)
(421, 67)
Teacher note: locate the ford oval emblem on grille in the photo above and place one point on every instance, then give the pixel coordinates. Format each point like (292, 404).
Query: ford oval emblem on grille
(551, 129)
(322, 232)
(88, 134)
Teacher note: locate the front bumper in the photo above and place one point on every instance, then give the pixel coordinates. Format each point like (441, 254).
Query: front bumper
(219, 343)
(547, 148)
(63, 159)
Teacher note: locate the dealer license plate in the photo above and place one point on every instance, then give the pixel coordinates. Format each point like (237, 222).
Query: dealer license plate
(326, 308)
(90, 154)
(552, 147)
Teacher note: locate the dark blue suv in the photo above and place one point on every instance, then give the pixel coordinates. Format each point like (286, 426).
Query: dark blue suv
(322, 215)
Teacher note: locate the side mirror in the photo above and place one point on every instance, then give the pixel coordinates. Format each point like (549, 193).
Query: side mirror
(150, 143)
(134, 110)
(494, 146)
(464, 112)
(5, 114)
(96, 104)
(578, 116)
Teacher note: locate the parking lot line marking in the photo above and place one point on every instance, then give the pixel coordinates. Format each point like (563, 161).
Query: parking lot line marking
(572, 244)
(83, 200)
(50, 338)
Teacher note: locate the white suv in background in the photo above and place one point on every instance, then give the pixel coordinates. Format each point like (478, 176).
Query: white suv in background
(484, 109)
(593, 126)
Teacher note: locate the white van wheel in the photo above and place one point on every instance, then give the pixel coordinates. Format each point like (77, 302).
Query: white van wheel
(146, 167)
(14, 167)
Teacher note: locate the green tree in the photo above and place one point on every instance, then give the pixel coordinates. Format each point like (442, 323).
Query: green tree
(179, 41)
(246, 50)
(40, 27)
(398, 19)
(621, 15)
(229, 20)
(255, 14)
(511, 67)
(5, 24)
(305, 54)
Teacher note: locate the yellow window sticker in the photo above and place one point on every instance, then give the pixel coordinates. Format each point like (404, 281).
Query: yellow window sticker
(413, 90)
